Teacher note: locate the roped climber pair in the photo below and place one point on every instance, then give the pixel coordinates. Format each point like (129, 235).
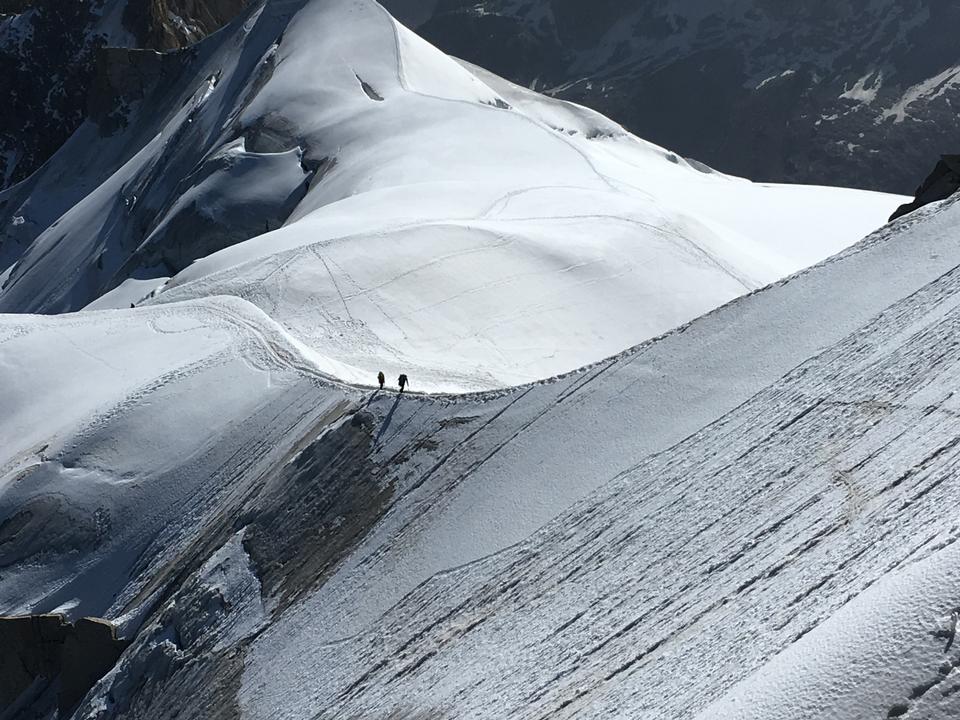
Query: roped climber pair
(402, 381)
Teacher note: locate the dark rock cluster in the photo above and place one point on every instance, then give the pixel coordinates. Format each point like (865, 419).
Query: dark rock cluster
(943, 182)
(47, 661)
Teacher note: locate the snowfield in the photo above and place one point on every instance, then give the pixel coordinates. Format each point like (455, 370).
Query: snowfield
(423, 215)
(747, 514)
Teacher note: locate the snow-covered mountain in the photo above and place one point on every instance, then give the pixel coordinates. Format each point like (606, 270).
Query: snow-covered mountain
(747, 514)
(743, 518)
(860, 93)
(393, 209)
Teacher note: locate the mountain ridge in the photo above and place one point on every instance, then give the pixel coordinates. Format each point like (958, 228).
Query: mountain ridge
(853, 93)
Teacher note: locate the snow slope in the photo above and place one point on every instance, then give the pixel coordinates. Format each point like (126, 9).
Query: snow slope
(672, 531)
(125, 429)
(424, 216)
(681, 529)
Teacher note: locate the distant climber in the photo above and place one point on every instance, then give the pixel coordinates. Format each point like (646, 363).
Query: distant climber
(381, 378)
(402, 382)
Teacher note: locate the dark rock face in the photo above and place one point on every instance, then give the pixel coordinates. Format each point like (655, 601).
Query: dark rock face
(315, 510)
(173, 24)
(852, 93)
(45, 72)
(11, 7)
(943, 182)
(49, 56)
(36, 651)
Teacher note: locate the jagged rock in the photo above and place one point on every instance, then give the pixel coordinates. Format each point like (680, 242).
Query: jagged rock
(124, 75)
(943, 182)
(49, 59)
(173, 24)
(36, 651)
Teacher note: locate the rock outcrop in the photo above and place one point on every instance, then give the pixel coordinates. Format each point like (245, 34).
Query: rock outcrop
(943, 182)
(50, 55)
(45, 659)
(174, 24)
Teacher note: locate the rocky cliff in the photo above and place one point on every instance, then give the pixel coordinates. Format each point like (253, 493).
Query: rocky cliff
(48, 62)
(46, 661)
(943, 182)
(173, 24)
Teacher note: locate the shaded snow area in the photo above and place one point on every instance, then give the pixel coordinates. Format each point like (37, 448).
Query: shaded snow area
(397, 210)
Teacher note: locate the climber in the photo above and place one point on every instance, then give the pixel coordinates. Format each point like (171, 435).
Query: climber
(381, 379)
(402, 382)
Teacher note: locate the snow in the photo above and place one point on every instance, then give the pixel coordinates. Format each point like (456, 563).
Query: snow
(862, 93)
(228, 574)
(683, 527)
(159, 388)
(929, 89)
(772, 78)
(476, 235)
(475, 478)
(905, 616)
(458, 601)
(129, 292)
(422, 215)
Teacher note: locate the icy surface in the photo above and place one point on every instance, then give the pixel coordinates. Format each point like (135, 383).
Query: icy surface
(557, 548)
(808, 521)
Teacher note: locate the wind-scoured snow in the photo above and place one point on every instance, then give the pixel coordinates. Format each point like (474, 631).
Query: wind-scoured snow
(639, 537)
(667, 586)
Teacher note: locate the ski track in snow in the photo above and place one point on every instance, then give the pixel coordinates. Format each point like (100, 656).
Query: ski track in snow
(607, 240)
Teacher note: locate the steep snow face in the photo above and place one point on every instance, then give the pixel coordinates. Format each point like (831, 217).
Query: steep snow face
(132, 431)
(860, 93)
(673, 530)
(745, 571)
(436, 220)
